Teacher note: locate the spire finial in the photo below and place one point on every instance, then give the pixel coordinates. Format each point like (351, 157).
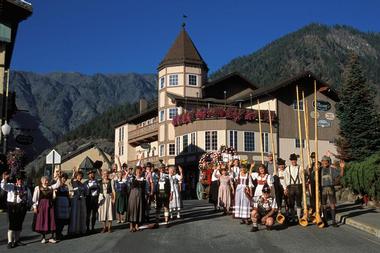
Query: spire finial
(184, 21)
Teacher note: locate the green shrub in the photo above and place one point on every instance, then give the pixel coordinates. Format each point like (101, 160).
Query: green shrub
(364, 177)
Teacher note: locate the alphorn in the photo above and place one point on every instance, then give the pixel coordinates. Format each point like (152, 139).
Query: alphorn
(304, 219)
(318, 219)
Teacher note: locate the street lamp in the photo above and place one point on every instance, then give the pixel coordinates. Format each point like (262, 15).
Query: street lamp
(6, 130)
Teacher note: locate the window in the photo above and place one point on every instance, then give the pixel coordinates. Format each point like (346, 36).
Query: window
(162, 82)
(162, 116)
(298, 144)
(119, 135)
(265, 137)
(295, 105)
(192, 147)
(249, 141)
(211, 140)
(173, 112)
(233, 139)
(122, 149)
(193, 80)
(171, 149)
(173, 80)
(178, 145)
(185, 142)
(162, 150)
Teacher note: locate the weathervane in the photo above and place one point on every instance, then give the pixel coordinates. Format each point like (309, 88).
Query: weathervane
(184, 21)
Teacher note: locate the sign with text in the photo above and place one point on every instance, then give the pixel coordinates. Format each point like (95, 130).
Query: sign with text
(322, 105)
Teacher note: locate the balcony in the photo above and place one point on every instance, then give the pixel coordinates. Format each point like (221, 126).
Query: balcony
(152, 159)
(147, 133)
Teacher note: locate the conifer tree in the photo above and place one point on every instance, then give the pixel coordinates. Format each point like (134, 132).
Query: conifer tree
(359, 135)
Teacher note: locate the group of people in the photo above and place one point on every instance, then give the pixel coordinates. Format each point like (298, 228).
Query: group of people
(258, 196)
(123, 194)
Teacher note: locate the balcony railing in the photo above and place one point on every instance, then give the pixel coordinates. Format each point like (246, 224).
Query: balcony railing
(143, 132)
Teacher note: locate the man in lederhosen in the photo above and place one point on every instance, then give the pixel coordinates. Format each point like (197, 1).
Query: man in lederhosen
(18, 196)
(328, 177)
(93, 189)
(264, 210)
(279, 184)
(162, 191)
(293, 177)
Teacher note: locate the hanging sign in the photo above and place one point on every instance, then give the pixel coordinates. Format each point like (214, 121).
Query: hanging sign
(312, 115)
(324, 123)
(322, 105)
(330, 116)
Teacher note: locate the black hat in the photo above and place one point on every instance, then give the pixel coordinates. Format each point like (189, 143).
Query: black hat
(293, 157)
(312, 155)
(148, 164)
(280, 161)
(124, 165)
(266, 188)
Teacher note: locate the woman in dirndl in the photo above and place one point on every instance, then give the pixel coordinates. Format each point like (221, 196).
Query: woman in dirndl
(259, 179)
(106, 202)
(175, 192)
(214, 187)
(121, 191)
(62, 206)
(78, 206)
(44, 208)
(136, 201)
(242, 207)
(226, 189)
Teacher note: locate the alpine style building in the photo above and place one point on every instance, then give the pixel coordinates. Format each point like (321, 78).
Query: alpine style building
(193, 114)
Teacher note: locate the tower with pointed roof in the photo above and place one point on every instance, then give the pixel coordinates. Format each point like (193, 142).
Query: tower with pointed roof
(182, 72)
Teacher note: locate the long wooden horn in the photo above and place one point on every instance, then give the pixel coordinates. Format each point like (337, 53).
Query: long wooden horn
(318, 219)
(272, 141)
(304, 220)
(261, 132)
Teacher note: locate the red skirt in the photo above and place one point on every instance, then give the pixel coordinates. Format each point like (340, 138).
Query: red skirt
(45, 221)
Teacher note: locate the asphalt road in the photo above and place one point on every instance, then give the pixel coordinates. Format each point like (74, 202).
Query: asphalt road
(202, 230)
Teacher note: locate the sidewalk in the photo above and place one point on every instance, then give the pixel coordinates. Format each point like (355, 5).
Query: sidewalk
(362, 218)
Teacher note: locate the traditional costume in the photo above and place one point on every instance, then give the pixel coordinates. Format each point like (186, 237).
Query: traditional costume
(78, 208)
(121, 191)
(92, 199)
(106, 209)
(45, 218)
(62, 208)
(242, 207)
(214, 187)
(136, 201)
(18, 197)
(224, 192)
(328, 176)
(162, 191)
(176, 201)
(293, 177)
(261, 180)
(264, 209)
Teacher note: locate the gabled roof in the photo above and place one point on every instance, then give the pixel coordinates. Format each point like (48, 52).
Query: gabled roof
(79, 150)
(148, 114)
(183, 52)
(269, 90)
(232, 83)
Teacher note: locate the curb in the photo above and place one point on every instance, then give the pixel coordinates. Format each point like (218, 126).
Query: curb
(358, 225)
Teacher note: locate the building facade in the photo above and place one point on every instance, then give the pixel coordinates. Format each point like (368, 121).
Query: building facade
(194, 115)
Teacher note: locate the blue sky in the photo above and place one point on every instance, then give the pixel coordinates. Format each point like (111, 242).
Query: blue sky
(120, 36)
